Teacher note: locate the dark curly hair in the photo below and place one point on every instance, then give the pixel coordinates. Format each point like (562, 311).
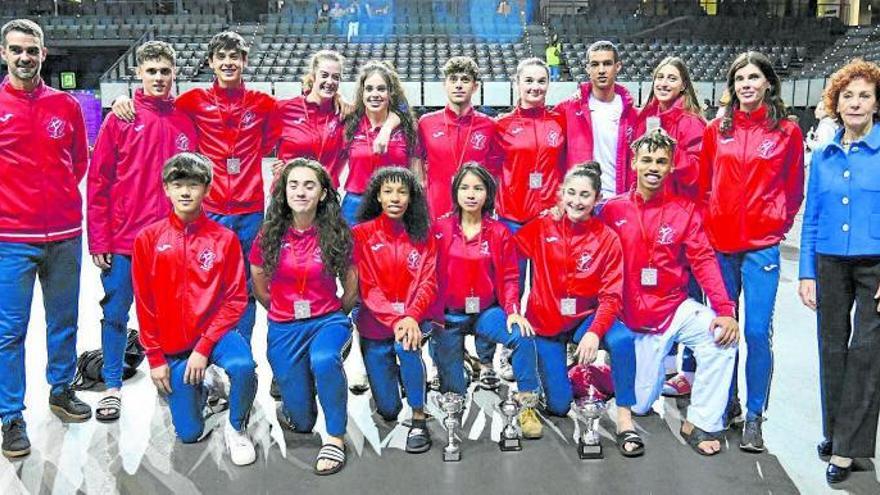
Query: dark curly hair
(485, 177)
(397, 103)
(772, 98)
(415, 219)
(334, 235)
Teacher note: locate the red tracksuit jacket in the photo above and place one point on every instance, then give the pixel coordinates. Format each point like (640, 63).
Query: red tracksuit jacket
(579, 124)
(125, 178)
(583, 261)
(362, 162)
(666, 234)
(485, 266)
(446, 141)
(753, 179)
(392, 270)
(189, 286)
(310, 130)
(233, 123)
(532, 141)
(687, 129)
(43, 157)
(299, 276)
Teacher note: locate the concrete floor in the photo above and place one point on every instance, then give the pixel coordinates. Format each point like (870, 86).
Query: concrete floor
(138, 454)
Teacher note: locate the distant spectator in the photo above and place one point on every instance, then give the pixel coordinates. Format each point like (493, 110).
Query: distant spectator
(503, 8)
(553, 53)
(337, 12)
(825, 129)
(324, 13)
(354, 15)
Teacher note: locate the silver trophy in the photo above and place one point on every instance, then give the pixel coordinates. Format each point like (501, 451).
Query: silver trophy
(510, 435)
(452, 404)
(590, 409)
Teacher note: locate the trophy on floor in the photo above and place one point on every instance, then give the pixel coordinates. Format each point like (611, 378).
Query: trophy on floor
(590, 409)
(510, 436)
(452, 404)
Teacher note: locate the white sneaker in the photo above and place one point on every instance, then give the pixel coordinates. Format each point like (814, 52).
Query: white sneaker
(505, 369)
(241, 449)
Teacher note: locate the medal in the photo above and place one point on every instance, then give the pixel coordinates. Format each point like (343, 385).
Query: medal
(472, 305)
(397, 307)
(567, 306)
(302, 310)
(536, 180)
(649, 277)
(233, 166)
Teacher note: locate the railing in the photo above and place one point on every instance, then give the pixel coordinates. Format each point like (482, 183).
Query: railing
(127, 60)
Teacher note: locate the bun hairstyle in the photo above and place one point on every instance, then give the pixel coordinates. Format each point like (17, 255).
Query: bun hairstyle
(591, 170)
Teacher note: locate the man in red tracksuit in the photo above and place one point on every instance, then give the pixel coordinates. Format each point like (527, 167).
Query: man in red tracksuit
(662, 235)
(601, 119)
(125, 195)
(43, 157)
(454, 135)
(233, 126)
(188, 276)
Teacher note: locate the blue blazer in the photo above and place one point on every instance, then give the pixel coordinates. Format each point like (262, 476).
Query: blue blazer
(842, 216)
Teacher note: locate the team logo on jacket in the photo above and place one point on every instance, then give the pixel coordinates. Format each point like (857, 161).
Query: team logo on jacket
(629, 133)
(377, 246)
(665, 235)
(139, 128)
(551, 238)
(484, 248)
(516, 130)
(182, 142)
(316, 255)
(478, 141)
(206, 259)
(299, 120)
(553, 138)
(438, 134)
(332, 124)
(412, 260)
(766, 148)
(5, 118)
(55, 128)
(248, 118)
(163, 247)
(584, 261)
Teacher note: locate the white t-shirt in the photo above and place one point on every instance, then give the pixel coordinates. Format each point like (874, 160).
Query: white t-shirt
(606, 123)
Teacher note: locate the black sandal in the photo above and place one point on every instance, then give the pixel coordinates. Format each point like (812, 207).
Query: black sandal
(630, 436)
(112, 403)
(330, 452)
(418, 439)
(696, 437)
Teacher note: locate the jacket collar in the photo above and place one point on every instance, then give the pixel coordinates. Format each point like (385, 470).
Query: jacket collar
(228, 94)
(454, 116)
(587, 90)
(389, 226)
(658, 199)
(322, 108)
(301, 234)
(158, 104)
(531, 113)
(758, 117)
(578, 228)
(871, 140)
(38, 90)
(180, 225)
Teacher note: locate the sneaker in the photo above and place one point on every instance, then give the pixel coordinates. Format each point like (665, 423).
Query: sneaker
(241, 449)
(68, 407)
(358, 384)
(752, 438)
(505, 368)
(434, 382)
(274, 390)
(677, 386)
(734, 414)
(418, 439)
(489, 379)
(529, 422)
(15, 439)
(283, 419)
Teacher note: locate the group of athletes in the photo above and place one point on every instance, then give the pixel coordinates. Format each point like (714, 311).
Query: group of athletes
(639, 229)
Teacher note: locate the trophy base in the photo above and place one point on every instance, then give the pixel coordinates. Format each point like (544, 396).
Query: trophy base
(590, 451)
(510, 444)
(452, 456)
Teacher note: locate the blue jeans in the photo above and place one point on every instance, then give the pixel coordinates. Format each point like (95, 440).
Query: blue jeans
(349, 208)
(118, 297)
(306, 355)
(246, 228)
(554, 72)
(756, 274)
(381, 359)
(58, 266)
(233, 354)
(491, 326)
(554, 374)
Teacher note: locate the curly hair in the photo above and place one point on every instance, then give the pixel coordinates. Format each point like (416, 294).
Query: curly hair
(397, 103)
(772, 98)
(461, 65)
(155, 50)
(690, 101)
(308, 79)
(334, 235)
(485, 177)
(855, 69)
(415, 218)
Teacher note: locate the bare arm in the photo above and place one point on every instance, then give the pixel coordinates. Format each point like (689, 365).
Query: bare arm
(261, 285)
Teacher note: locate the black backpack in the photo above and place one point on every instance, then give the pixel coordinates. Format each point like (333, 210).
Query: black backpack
(89, 364)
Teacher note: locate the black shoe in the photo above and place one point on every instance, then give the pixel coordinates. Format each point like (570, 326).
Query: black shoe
(752, 436)
(68, 407)
(836, 474)
(274, 391)
(15, 439)
(418, 439)
(824, 449)
(733, 414)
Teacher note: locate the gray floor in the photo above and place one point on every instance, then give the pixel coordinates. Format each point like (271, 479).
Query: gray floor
(138, 455)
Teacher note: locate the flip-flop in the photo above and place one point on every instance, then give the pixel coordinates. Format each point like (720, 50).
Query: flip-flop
(112, 403)
(696, 437)
(630, 436)
(330, 452)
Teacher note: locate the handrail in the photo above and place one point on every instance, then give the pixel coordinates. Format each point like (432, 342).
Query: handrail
(128, 57)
